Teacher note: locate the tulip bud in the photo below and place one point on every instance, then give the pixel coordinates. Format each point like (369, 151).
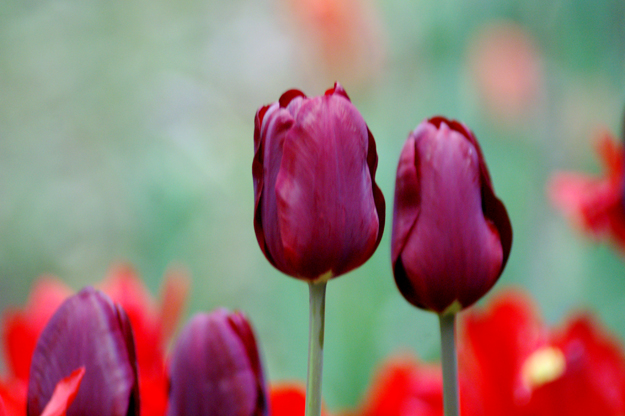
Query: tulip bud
(318, 211)
(88, 331)
(451, 235)
(215, 368)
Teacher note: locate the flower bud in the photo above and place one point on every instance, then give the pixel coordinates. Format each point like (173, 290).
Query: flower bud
(88, 331)
(318, 211)
(215, 368)
(451, 235)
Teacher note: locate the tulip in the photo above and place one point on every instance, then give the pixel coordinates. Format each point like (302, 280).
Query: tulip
(88, 331)
(318, 211)
(215, 368)
(451, 235)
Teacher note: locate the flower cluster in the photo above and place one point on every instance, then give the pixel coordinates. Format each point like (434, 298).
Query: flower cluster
(85, 362)
(511, 363)
(318, 214)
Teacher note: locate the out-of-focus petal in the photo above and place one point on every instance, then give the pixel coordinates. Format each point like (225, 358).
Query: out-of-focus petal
(404, 386)
(173, 298)
(593, 379)
(64, 394)
(87, 330)
(21, 328)
(596, 204)
(494, 344)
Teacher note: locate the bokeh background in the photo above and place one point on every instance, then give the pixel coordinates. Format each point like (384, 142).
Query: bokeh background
(126, 135)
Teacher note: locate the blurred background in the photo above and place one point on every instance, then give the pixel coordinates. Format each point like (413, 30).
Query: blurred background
(126, 135)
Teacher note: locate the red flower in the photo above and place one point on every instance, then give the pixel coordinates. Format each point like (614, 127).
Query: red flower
(595, 204)
(511, 364)
(451, 235)
(318, 211)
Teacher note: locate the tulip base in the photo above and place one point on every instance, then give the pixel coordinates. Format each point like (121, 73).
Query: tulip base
(450, 364)
(315, 346)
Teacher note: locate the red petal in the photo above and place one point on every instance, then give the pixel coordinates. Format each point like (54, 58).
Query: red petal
(22, 328)
(495, 344)
(289, 399)
(404, 386)
(64, 394)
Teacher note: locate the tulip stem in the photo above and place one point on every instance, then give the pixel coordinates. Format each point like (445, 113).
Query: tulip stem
(450, 364)
(315, 347)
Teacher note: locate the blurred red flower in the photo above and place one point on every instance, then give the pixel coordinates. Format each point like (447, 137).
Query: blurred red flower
(512, 364)
(505, 64)
(345, 36)
(289, 399)
(595, 203)
(153, 325)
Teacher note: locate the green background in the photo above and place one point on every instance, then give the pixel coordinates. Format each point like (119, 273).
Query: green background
(126, 134)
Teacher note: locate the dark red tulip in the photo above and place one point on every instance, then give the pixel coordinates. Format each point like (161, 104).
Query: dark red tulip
(318, 211)
(451, 235)
(88, 331)
(215, 368)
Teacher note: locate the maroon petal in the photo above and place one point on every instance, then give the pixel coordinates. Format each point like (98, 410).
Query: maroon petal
(215, 369)
(326, 214)
(86, 331)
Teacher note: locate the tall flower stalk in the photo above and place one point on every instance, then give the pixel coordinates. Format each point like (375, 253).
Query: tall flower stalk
(318, 211)
(451, 234)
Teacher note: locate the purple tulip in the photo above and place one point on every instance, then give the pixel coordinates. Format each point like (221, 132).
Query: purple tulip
(88, 331)
(215, 368)
(451, 235)
(317, 208)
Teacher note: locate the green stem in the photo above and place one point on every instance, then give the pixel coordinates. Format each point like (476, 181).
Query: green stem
(315, 347)
(450, 364)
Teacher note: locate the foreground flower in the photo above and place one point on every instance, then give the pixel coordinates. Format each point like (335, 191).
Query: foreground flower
(215, 368)
(451, 235)
(87, 331)
(153, 325)
(318, 211)
(597, 205)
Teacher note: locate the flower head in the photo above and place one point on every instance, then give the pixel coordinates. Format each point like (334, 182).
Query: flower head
(318, 211)
(215, 368)
(451, 235)
(88, 331)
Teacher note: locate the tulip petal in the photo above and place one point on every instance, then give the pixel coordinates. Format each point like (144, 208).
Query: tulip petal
(3, 410)
(87, 330)
(243, 329)
(64, 394)
(212, 370)
(326, 215)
